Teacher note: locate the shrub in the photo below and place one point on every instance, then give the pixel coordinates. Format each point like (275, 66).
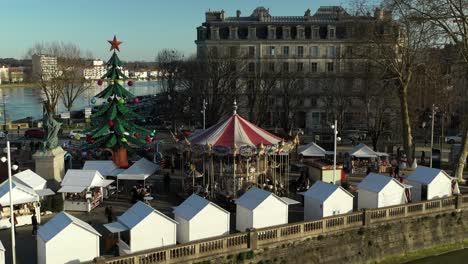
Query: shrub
(320, 237)
(361, 231)
(249, 254)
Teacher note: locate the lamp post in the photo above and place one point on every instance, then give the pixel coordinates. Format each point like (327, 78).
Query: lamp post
(432, 132)
(335, 132)
(205, 103)
(4, 116)
(12, 216)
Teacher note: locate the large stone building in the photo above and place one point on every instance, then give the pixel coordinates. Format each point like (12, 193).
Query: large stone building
(320, 48)
(44, 66)
(95, 70)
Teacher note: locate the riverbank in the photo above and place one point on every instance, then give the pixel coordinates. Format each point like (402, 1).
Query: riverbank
(17, 85)
(452, 257)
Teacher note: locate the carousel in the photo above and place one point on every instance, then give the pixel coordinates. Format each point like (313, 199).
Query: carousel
(232, 156)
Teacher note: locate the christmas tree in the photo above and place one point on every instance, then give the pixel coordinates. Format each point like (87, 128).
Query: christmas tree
(112, 126)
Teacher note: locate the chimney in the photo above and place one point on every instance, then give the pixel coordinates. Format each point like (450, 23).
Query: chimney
(238, 13)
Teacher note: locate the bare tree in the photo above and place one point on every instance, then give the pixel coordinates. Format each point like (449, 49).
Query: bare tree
(395, 43)
(451, 18)
(64, 81)
(259, 90)
(336, 97)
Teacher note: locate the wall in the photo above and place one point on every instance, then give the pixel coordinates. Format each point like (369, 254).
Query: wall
(72, 244)
(339, 201)
(413, 226)
(440, 187)
(367, 199)
(389, 243)
(210, 222)
(270, 212)
(153, 232)
(392, 194)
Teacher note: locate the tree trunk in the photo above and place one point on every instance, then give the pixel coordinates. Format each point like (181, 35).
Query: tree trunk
(406, 125)
(460, 166)
(120, 158)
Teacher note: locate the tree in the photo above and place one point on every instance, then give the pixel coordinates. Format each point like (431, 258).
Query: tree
(111, 125)
(451, 18)
(395, 42)
(170, 63)
(336, 97)
(259, 89)
(64, 81)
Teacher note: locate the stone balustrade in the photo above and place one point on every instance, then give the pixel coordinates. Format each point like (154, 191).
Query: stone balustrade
(259, 238)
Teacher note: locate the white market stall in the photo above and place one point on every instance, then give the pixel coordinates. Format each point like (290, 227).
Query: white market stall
(33, 181)
(66, 239)
(429, 183)
(312, 150)
(377, 190)
(107, 168)
(326, 199)
(2, 253)
(199, 218)
(139, 171)
(142, 227)
(362, 157)
(258, 208)
(25, 202)
(83, 189)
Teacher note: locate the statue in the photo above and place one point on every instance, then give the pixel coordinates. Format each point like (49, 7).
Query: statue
(51, 129)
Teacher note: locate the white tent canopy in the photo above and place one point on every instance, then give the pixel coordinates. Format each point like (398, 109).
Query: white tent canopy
(79, 180)
(140, 170)
(105, 167)
(363, 151)
(20, 193)
(312, 150)
(31, 179)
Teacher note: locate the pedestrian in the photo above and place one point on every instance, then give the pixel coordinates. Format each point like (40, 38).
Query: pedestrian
(31, 145)
(110, 215)
(423, 157)
(369, 170)
(167, 182)
(18, 129)
(15, 221)
(34, 223)
(134, 194)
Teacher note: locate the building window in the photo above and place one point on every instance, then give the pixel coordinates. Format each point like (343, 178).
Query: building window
(349, 51)
(300, 51)
(314, 51)
(287, 33)
(272, 33)
(272, 51)
(314, 67)
(315, 33)
(330, 67)
(300, 66)
(271, 67)
(331, 51)
(331, 33)
(251, 51)
(251, 66)
(286, 66)
(286, 51)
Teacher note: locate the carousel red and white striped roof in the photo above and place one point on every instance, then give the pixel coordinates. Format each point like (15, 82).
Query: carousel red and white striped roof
(234, 130)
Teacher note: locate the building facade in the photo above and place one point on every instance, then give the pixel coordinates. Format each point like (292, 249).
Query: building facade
(95, 70)
(4, 74)
(44, 66)
(319, 49)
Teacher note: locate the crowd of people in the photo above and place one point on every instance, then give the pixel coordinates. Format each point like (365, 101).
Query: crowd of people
(139, 193)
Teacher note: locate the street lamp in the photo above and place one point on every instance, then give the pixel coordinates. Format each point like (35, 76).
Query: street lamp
(335, 132)
(12, 217)
(434, 109)
(203, 111)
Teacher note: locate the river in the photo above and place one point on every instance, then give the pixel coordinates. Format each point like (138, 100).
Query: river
(23, 102)
(455, 257)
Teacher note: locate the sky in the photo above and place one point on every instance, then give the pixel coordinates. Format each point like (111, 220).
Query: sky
(144, 26)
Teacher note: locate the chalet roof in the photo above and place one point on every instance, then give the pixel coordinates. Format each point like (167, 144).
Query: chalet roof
(57, 224)
(426, 175)
(193, 205)
(321, 191)
(254, 197)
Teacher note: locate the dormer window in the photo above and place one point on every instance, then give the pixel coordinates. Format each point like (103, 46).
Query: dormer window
(331, 32)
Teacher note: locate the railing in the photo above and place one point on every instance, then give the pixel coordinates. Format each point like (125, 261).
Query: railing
(262, 237)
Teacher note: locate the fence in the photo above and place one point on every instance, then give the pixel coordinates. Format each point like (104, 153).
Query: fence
(254, 239)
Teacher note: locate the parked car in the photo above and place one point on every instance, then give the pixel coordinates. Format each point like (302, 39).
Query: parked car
(34, 133)
(454, 139)
(77, 132)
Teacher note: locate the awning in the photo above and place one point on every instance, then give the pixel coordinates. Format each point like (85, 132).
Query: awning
(44, 192)
(115, 227)
(105, 183)
(289, 201)
(71, 189)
